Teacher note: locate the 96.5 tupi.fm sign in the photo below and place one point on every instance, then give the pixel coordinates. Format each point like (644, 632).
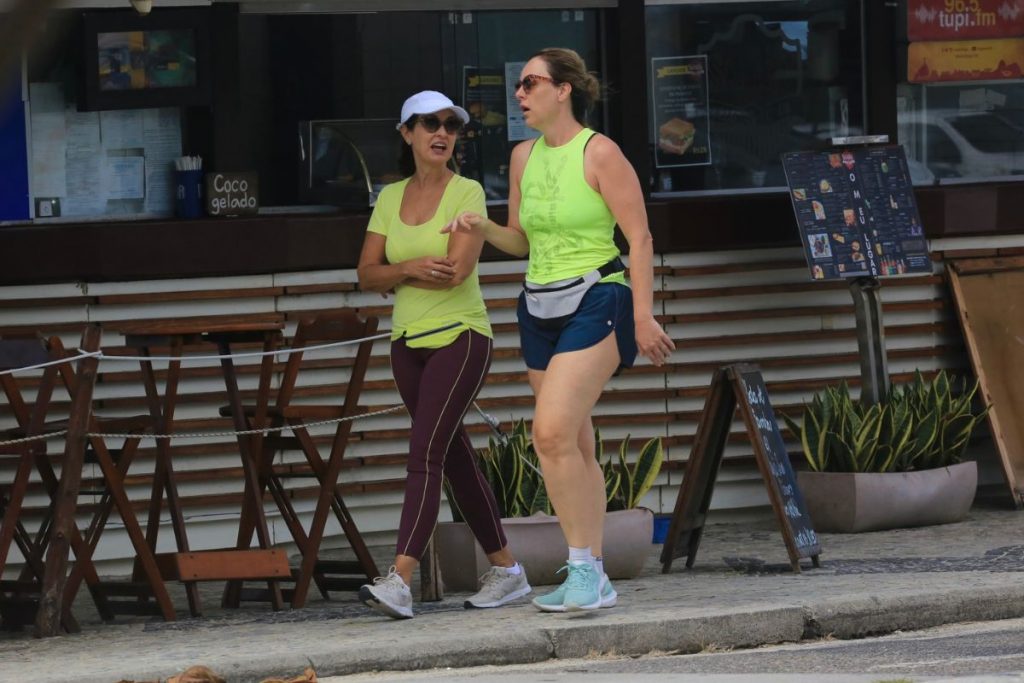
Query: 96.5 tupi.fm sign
(964, 19)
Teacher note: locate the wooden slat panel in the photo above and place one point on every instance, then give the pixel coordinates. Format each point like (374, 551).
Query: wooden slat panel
(721, 293)
(191, 295)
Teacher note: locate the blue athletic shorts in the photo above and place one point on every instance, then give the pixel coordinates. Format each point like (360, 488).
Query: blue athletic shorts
(605, 308)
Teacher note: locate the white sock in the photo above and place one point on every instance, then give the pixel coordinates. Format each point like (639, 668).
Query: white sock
(599, 564)
(581, 555)
(514, 570)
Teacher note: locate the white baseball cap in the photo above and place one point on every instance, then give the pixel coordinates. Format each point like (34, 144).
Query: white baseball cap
(428, 102)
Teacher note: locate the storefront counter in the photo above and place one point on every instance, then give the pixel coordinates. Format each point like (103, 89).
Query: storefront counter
(143, 250)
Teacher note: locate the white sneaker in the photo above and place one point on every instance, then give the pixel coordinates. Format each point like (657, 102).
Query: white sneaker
(388, 594)
(498, 587)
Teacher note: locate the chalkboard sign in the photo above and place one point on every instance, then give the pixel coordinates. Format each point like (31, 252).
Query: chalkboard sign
(773, 461)
(857, 213)
(739, 385)
(232, 194)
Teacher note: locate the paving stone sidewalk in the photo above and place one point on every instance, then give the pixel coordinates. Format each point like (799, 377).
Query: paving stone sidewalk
(740, 593)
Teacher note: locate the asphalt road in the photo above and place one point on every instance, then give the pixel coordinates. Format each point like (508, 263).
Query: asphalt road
(989, 651)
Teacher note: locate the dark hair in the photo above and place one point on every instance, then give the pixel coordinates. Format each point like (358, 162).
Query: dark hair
(566, 66)
(406, 161)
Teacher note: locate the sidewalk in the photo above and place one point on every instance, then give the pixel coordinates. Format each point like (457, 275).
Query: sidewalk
(739, 594)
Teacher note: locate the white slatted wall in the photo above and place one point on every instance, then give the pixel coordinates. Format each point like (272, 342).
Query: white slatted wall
(720, 307)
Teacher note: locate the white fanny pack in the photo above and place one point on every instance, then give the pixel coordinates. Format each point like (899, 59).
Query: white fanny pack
(555, 302)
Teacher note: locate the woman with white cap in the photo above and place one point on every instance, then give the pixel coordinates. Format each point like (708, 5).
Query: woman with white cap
(441, 346)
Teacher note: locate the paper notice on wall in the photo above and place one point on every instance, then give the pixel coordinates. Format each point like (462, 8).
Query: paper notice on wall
(124, 177)
(86, 195)
(162, 128)
(85, 192)
(48, 139)
(83, 130)
(517, 128)
(121, 129)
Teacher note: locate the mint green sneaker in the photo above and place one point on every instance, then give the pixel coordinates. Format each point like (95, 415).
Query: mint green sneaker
(555, 600)
(609, 598)
(583, 587)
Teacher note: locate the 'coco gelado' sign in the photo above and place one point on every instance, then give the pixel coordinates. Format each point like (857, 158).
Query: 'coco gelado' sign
(232, 194)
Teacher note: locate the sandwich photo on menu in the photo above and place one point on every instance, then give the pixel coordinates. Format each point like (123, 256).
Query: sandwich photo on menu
(675, 136)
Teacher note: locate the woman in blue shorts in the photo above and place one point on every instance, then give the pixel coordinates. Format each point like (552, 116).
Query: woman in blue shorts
(579, 321)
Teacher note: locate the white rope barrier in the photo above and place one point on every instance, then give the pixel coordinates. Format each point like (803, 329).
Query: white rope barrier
(37, 437)
(70, 359)
(198, 435)
(245, 354)
(247, 432)
(490, 420)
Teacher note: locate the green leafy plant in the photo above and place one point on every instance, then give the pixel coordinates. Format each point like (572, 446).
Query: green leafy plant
(625, 484)
(921, 425)
(513, 472)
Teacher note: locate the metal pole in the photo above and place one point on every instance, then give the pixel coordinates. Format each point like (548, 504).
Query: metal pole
(874, 368)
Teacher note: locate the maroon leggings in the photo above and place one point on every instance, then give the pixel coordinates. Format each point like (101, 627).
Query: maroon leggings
(438, 387)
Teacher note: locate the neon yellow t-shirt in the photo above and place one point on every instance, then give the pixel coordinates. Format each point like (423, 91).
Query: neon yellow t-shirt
(570, 228)
(418, 312)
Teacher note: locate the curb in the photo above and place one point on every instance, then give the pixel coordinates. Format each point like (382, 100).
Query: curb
(845, 619)
(681, 635)
(588, 635)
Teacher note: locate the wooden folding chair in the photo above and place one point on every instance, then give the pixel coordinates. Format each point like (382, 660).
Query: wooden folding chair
(343, 325)
(19, 599)
(38, 577)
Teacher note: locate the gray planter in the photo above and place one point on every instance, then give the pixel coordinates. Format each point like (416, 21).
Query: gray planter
(866, 501)
(538, 544)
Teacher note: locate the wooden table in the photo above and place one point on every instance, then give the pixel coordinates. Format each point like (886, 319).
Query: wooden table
(241, 562)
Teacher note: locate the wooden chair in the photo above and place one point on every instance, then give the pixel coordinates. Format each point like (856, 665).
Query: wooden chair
(20, 598)
(343, 325)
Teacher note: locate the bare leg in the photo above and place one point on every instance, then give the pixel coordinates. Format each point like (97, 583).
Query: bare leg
(502, 558)
(405, 565)
(588, 448)
(566, 393)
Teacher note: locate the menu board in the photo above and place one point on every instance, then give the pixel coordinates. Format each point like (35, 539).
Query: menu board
(738, 386)
(856, 212)
(773, 459)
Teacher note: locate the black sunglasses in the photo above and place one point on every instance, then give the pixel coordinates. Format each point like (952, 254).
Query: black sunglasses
(430, 123)
(531, 80)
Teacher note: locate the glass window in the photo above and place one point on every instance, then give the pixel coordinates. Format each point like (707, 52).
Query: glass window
(733, 85)
(981, 125)
(961, 80)
(358, 68)
(490, 50)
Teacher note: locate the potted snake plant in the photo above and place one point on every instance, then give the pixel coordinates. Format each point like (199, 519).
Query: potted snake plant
(898, 463)
(533, 533)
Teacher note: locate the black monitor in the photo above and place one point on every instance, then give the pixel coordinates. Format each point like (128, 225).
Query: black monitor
(139, 62)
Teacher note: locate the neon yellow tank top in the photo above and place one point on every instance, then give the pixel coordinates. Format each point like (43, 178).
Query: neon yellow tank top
(569, 226)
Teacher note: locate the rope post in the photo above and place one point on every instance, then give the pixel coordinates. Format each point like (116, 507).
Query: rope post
(66, 499)
(431, 584)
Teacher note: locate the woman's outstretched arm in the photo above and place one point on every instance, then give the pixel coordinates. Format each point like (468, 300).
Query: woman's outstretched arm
(509, 238)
